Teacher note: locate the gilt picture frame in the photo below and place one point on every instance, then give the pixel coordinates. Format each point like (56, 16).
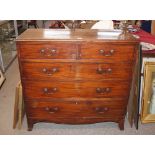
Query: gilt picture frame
(2, 78)
(148, 94)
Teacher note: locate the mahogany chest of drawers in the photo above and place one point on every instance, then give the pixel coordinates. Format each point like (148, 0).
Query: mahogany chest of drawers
(75, 76)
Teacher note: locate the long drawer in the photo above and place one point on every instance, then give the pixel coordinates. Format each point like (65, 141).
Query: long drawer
(48, 51)
(76, 109)
(107, 52)
(47, 90)
(71, 71)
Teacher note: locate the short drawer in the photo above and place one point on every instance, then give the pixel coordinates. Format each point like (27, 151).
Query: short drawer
(48, 51)
(79, 71)
(107, 52)
(54, 89)
(76, 109)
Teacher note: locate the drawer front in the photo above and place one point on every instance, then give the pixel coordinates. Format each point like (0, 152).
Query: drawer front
(47, 71)
(100, 71)
(81, 71)
(47, 90)
(48, 51)
(107, 52)
(75, 109)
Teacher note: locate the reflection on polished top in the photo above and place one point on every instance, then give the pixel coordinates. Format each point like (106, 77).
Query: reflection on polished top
(72, 35)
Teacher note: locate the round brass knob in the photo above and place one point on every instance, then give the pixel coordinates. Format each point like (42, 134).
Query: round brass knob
(109, 70)
(42, 50)
(106, 109)
(54, 89)
(44, 70)
(111, 51)
(107, 89)
(101, 51)
(53, 51)
(54, 70)
(45, 90)
(99, 90)
(99, 70)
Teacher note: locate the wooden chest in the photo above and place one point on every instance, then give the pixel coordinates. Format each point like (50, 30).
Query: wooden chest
(75, 76)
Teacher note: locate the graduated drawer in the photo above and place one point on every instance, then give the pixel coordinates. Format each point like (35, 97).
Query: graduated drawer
(81, 71)
(74, 109)
(54, 89)
(48, 51)
(108, 52)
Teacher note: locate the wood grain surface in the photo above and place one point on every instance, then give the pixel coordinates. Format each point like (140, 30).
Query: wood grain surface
(75, 77)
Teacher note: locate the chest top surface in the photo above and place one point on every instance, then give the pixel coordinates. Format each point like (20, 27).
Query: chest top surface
(73, 35)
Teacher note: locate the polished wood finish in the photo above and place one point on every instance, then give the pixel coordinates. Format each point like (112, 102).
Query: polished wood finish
(79, 109)
(83, 89)
(78, 71)
(77, 35)
(75, 76)
(107, 52)
(49, 51)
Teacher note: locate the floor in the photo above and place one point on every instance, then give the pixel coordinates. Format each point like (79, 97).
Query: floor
(7, 96)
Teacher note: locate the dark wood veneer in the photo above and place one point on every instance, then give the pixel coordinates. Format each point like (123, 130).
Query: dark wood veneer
(88, 89)
(74, 77)
(76, 71)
